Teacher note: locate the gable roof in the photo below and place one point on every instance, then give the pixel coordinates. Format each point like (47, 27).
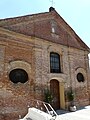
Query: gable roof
(49, 26)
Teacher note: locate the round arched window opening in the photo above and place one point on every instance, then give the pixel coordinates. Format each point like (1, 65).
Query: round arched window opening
(80, 77)
(18, 75)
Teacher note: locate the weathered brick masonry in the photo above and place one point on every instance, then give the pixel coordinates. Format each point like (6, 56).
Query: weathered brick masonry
(26, 43)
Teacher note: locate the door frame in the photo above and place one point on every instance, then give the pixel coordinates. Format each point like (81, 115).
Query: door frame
(61, 94)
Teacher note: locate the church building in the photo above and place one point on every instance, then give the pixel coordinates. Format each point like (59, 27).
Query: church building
(39, 53)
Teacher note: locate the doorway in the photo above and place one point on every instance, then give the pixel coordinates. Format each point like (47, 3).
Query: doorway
(54, 88)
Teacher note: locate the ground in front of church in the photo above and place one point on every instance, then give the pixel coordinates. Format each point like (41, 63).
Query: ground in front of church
(80, 114)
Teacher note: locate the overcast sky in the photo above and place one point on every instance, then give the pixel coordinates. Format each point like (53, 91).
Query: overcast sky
(75, 12)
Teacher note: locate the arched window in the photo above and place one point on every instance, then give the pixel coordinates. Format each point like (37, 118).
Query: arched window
(55, 63)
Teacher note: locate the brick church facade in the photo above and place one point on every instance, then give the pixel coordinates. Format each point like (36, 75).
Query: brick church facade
(39, 52)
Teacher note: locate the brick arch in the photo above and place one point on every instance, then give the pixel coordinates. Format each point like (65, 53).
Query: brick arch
(59, 79)
(19, 64)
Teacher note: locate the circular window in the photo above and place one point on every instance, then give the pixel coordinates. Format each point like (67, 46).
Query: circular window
(80, 77)
(18, 75)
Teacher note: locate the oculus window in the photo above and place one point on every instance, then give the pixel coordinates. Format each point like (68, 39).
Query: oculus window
(18, 75)
(80, 77)
(55, 63)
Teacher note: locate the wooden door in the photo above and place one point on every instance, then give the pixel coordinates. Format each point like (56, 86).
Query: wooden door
(54, 88)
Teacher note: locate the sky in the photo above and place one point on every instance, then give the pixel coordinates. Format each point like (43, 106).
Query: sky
(74, 12)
